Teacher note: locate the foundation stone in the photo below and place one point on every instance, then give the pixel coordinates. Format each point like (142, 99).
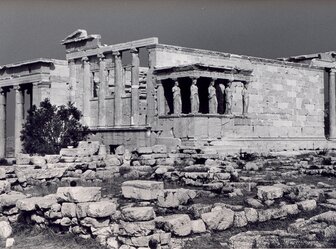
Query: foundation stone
(141, 190)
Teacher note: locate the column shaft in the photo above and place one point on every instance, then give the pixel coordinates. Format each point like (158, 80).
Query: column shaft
(118, 112)
(3, 123)
(161, 100)
(19, 109)
(150, 87)
(135, 87)
(332, 105)
(86, 91)
(102, 92)
(72, 81)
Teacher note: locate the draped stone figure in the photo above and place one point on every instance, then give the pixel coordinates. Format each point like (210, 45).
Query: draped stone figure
(177, 98)
(228, 98)
(213, 104)
(194, 98)
(245, 98)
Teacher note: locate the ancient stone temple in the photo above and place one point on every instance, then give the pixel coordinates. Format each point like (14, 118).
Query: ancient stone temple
(141, 93)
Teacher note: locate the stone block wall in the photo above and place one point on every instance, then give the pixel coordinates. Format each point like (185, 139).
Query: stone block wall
(286, 99)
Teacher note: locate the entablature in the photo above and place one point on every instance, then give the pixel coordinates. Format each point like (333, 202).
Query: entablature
(202, 70)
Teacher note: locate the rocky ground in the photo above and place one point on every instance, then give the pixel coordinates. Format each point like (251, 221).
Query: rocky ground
(279, 200)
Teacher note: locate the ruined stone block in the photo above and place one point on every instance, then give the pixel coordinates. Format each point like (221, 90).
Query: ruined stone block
(175, 197)
(101, 209)
(178, 224)
(198, 226)
(269, 192)
(138, 213)
(139, 228)
(307, 205)
(142, 190)
(79, 194)
(219, 220)
(68, 209)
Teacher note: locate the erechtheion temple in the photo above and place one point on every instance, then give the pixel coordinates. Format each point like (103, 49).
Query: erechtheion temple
(141, 93)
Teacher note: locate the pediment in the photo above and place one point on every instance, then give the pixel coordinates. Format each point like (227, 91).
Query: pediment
(76, 35)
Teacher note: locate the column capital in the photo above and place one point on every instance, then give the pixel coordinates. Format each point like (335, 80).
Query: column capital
(85, 60)
(194, 79)
(17, 88)
(71, 61)
(332, 70)
(42, 83)
(158, 82)
(134, 50)
(101, 57)
(231, 78)
(4, 90)
(116, 53)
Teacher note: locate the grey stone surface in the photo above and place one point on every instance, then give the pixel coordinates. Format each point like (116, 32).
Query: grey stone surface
(219, 220)
(142, 190)
(79, 194)
(138, 213)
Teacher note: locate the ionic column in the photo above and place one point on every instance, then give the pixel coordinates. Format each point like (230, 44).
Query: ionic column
(102, 92)
(86, 90)
(72, 81)
(135, 87)
(118, 70)
(19, 109)
(161, 99)
(332, 104)
(150, 88)
(3, 96)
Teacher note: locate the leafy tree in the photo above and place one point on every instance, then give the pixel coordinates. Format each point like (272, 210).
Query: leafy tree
(50, 128)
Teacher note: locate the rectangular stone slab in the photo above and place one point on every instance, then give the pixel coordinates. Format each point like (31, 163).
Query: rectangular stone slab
(141, 190)
(79, 194)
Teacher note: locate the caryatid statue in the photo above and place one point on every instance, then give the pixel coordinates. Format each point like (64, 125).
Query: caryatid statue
(213, 104)
(194, 98)
(228, 98)
(245, 98)
(177, 98)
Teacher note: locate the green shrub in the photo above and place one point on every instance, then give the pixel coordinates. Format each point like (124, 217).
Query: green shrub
(50, 128)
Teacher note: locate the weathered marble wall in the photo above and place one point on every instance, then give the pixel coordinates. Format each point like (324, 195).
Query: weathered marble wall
(286, 99)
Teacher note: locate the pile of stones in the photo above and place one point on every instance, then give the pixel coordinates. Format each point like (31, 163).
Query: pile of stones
(318, 231)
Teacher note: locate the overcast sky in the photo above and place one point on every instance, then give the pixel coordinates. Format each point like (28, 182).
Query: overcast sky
(264, 28)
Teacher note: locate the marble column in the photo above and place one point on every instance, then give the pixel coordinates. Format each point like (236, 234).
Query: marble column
(19, 110)
(332, 104)
(3, 96)
(72, 81)
(118, 70)
(135, 86)
(86, 90)
(150, 88)
(161, 99)
(102, 91)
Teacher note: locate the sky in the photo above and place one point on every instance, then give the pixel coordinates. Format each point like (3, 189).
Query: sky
(263, 28)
